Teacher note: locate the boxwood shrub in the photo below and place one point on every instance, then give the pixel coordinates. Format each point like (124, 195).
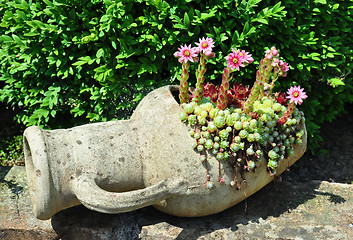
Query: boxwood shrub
(69, 62)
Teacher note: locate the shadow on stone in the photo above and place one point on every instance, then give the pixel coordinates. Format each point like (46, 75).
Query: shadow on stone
(11, 184)
(275, 199)
(3, 172)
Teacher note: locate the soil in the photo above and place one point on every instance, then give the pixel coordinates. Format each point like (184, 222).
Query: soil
(335, 162)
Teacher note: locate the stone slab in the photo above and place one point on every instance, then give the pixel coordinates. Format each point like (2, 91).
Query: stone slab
(281, 210)
(16, 218)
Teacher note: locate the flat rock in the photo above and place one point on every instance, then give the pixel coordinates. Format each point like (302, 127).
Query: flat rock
(16, 218)
(281, 210)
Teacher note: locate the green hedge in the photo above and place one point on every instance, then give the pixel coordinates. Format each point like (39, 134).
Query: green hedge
(69, 62)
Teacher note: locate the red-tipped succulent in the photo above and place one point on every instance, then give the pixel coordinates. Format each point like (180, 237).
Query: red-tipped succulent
(240, 92)
(281, 98)
(210, 90)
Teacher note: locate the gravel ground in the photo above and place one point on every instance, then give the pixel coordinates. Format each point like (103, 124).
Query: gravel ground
(336, 165)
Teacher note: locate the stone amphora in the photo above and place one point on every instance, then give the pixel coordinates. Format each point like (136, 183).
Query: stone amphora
(120, 166)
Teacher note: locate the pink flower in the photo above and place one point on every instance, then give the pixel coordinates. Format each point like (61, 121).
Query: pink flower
(296, 95)
(234, 60)
(238, 58)
(246, 57)
(205, 45)
(186, 53)
(196, 50)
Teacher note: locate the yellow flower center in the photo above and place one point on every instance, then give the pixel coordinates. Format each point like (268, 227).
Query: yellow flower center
(187, 53)
(295, 94)
(204, 45)
(235, 60)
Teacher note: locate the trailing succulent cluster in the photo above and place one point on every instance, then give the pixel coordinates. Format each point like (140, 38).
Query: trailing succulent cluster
(231, 134)
(238, 125)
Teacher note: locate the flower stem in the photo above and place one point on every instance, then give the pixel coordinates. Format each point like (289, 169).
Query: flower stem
(184, 86)
(287, 114)
(200, 72)
(255, 93)
(222, 95)
(263, 76)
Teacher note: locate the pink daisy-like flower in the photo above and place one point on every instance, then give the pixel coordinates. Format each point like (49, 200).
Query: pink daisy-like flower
(186, 53)
(246, 57)
(235, 60)
(205, 45)
(296, 95)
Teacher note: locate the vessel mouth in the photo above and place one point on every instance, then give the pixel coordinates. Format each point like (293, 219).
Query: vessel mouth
(38, 173)
(174, 89)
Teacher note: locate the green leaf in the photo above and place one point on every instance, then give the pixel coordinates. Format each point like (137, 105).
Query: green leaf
(334, 82)
(41, 112)
(79, 63)
(35, 24)
(261, 20)
(180, 26)
(320, 1)
(186, 20)
(31, 34)
(53, 113)
(246, 28)
(101, 69)
(6, 38)
(49, 3)
(100, 53)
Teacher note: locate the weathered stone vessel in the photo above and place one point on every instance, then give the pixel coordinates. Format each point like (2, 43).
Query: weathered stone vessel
(120, 166)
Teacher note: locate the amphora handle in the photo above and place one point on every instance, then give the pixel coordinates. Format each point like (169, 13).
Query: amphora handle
(91, 195)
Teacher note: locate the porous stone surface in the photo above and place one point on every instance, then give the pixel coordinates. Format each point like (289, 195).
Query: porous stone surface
(16, 218)
(119, 166)
(281, 210)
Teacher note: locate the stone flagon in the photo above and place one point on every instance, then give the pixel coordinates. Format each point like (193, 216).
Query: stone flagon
(120, 166)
